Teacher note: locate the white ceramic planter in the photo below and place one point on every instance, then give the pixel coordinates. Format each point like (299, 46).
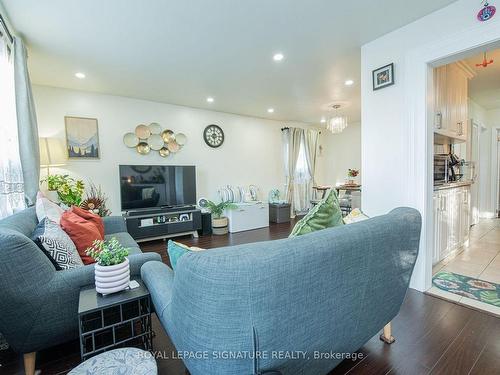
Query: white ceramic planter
(112, 279)
(52, 196)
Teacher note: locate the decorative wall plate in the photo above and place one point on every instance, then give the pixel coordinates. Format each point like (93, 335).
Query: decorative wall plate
(164, 152)
(130, 140)
(173, 146)
(168, 136)
(143, 148)
(156, 142)
(142, 131)
(181, 139)
(154, 128)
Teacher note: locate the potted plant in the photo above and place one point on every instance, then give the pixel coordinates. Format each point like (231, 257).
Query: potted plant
(64, 189)
(352, 174)
(219, 222)
(112, 270)
(95, 201)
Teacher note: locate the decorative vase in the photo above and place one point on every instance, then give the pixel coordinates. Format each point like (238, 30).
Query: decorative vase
(52, 195)
(219, 226)
(112, 279)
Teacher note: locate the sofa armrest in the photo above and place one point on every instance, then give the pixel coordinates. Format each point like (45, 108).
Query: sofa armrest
(159, 279)
(114, 224)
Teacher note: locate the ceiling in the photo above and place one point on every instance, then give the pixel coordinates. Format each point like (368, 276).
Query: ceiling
(484, 88)
(184, 51)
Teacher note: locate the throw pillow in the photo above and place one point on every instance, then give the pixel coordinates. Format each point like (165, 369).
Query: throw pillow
(93, 218)
(324, 215)
(82, 232)
(45, 208)
(355, 216)
(176, 250)
(56, 245)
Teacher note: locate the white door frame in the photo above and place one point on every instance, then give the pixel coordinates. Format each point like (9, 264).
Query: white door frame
(418, 136)
(495, 132)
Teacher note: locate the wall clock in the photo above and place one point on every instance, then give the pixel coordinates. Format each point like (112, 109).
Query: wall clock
(213, 136)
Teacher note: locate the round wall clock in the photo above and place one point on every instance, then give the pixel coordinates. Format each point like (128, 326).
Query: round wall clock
(213, 136)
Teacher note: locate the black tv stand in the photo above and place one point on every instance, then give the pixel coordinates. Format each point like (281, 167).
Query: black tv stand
(163, 222)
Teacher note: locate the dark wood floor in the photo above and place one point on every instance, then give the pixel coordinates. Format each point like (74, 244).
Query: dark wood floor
(433, 336)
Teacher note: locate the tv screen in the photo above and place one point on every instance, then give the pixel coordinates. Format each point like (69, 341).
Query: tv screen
(146, 186)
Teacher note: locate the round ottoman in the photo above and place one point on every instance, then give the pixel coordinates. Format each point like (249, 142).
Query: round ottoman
(126, 361)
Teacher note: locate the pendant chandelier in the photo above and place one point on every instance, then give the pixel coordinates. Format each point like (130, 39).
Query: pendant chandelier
(337, 123)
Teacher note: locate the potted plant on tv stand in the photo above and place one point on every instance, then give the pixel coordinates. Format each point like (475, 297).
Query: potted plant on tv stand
(219, 222)
(112, 269)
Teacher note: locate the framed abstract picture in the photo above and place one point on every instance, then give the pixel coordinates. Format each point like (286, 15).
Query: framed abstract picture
(383, 77)
(82, 138)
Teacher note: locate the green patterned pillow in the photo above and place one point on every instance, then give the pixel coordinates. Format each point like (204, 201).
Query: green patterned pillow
(176, 250)
(324, 215)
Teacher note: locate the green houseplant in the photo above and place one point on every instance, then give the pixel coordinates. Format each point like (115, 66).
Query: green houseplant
(69, 190)
(112, 270)
(219, 222)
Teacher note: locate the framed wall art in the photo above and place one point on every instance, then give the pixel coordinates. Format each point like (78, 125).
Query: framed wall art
(82, 138)
(383, 77)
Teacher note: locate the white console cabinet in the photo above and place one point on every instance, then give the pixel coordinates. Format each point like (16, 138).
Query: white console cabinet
(451, 221)
(247, 216)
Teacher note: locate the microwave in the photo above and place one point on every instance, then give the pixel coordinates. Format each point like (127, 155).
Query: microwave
(441, 169)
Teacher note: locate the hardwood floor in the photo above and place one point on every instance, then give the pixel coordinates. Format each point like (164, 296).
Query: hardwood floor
(433, 336)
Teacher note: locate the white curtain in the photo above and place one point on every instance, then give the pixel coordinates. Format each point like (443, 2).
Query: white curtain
(299, 151)
(11, 174)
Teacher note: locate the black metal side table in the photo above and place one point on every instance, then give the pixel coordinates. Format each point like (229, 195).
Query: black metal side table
(114, 321)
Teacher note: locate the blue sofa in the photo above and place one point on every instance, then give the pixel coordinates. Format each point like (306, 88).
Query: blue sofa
(328, 291)
(39, 305)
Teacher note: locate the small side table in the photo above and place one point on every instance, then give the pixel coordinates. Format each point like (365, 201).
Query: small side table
(114, 321)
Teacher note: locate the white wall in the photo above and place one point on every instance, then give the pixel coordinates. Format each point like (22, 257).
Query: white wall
(341, 152)
(395, 142)
(251, 153)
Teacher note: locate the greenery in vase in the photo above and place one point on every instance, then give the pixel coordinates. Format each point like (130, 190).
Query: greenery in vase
(107, 253)
(69, 190)
(218, 209)
(352, 173)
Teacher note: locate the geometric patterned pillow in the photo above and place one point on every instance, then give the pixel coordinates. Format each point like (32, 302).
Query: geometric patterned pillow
(56, 245)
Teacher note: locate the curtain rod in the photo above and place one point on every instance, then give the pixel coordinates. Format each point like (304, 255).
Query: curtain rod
(287, 128)
(6, 29)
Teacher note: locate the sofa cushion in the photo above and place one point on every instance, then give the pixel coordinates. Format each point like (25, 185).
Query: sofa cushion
(45, 208)
(56, 245)
(176, 250)
(82, 232)
(126, 241)
(324, 215)
(93, 218)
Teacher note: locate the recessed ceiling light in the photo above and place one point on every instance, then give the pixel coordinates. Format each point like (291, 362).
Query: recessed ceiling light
(270, 110)
(80, 75)
(349, 82)
(278, 57)
(210, 99)
(323, 120)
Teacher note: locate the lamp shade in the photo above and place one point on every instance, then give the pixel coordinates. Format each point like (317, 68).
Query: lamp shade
(52, 152)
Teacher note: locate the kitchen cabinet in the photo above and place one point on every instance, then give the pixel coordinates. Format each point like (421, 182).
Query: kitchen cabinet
(451, 85)
(451, 221)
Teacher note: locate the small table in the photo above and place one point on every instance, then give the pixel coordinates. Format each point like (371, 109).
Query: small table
(345, 202)
(115, 320)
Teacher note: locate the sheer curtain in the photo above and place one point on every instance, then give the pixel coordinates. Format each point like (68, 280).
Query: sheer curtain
(11, 174)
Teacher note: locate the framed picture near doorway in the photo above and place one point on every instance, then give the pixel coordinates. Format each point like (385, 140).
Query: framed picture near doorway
(383, 77)
(82, 138)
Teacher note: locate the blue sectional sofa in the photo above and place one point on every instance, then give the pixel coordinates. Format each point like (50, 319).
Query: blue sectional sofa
(257, 308)
(39, 305)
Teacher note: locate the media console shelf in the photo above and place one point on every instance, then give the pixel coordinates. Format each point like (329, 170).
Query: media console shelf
(162, 223)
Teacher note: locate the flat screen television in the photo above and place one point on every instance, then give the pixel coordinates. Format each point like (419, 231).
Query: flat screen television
(147, 186)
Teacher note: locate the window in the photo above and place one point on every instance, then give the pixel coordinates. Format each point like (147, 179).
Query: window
(11, 176)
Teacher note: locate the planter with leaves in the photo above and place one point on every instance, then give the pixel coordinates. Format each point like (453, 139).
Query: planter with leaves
(69, 190)
(219, 222)
(112, 270)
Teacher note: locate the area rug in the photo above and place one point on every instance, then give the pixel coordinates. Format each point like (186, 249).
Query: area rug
(469, 287)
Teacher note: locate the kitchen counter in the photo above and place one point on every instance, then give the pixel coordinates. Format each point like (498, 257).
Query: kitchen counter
(452, 185)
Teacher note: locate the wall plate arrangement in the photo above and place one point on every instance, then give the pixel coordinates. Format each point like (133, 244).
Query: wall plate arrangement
(152, 137)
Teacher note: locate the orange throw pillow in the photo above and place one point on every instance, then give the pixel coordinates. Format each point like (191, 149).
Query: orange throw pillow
(82, 232)
(93, 218)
